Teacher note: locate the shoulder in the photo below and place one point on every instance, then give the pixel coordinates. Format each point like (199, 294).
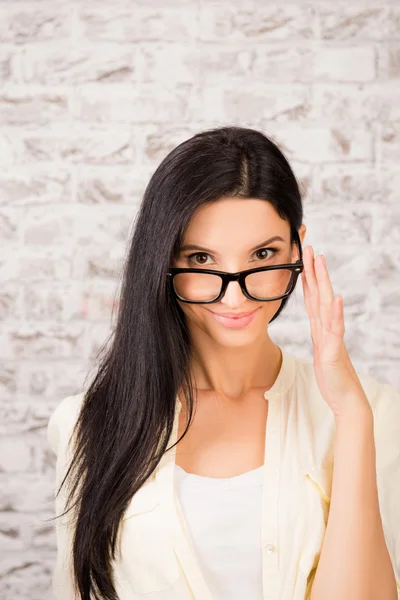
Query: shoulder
(62, 420)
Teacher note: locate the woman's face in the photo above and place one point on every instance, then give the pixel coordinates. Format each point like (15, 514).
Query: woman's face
(230, 235)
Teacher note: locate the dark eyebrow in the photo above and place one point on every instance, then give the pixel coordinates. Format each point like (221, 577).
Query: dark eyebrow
(276, 238)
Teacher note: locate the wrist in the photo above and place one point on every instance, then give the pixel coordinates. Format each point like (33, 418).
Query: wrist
(356, 414)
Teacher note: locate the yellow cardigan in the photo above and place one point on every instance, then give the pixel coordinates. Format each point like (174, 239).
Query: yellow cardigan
(157, 559)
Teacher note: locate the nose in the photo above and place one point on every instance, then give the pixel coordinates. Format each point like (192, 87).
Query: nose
(233, 294)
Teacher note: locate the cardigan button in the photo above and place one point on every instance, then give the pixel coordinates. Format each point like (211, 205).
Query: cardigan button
(270, 548)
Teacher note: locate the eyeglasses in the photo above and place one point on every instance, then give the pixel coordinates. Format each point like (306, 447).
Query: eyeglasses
(263, 284)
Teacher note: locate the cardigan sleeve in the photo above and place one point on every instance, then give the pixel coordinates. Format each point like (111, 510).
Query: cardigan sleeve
(387, 443)
(59, 429)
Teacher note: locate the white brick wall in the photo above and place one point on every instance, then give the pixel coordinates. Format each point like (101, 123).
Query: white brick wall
(93, 94)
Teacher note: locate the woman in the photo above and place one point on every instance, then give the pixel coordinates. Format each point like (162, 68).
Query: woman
(205, 459)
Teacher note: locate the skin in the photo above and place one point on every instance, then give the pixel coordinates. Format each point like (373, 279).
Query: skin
(231, 369)
(234, 362)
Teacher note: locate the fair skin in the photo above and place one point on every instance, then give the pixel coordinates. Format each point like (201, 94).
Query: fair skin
(232, 368)
(232, 363)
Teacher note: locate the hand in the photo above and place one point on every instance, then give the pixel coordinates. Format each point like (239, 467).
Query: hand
(336, 377)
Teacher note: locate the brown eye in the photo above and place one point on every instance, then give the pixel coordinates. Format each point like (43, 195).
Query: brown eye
(204, 254)
(273, 250)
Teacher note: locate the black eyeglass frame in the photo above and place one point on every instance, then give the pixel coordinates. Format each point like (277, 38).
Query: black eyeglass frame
(240, 276)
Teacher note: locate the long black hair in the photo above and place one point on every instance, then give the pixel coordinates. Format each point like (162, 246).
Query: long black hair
(128, 410)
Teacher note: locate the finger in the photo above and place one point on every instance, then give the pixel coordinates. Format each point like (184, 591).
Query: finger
(312, 284)
(315, 324)
(306, 294)
(337, 326)
(326, 295)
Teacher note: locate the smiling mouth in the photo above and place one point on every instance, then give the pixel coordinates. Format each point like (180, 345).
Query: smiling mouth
(233, 315)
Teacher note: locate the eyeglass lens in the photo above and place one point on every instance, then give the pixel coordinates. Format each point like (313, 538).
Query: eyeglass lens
(264, 285)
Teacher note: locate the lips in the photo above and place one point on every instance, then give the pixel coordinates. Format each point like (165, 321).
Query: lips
(233, 315)
(235, 322)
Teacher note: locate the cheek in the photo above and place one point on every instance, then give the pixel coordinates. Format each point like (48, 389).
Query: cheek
(192, 311)
(269, 309)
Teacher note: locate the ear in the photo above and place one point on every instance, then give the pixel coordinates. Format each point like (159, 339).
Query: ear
(302, 232)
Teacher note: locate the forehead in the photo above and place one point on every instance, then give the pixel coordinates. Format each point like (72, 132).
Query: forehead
(239, 222)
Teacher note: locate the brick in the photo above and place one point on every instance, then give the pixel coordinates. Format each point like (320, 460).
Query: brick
(387, 231)
(344, 21)
(54, 380)
(9, 225)
(30, 411)
(345, 63)
(99, 185)
(9, 65)
(56, 63)
(320, 144)
(384, 371)
(93, 302)
(9, 301)
(9, 262)
(394, 22)
(35, 185)
(97, 334)
(106, 226)
(283, 63)
(15, 454)
(256, 22)
(139, 22)
(88, 145)
(12, 527)
(41, 302)
(27, 575)
(120, 104)
(14, 562)
(388, 143)
(46, 228)
(100, 263)
(44, 341)
(383, 340)
(41, 263)
(19, 416)
(158, 141)
(358, 221)
(42, 456)
(389, 60)
(43, 533)
(10, 147)
(22, 24)
(8, 382)
(168, 65)
(19, 106)
(390, 184)
(388, 303)
(137, 180)
(64, 302)
(278, 102)
(337, 184)
(363, 103)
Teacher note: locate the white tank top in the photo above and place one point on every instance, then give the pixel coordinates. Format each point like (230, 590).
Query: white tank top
(224, 520)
